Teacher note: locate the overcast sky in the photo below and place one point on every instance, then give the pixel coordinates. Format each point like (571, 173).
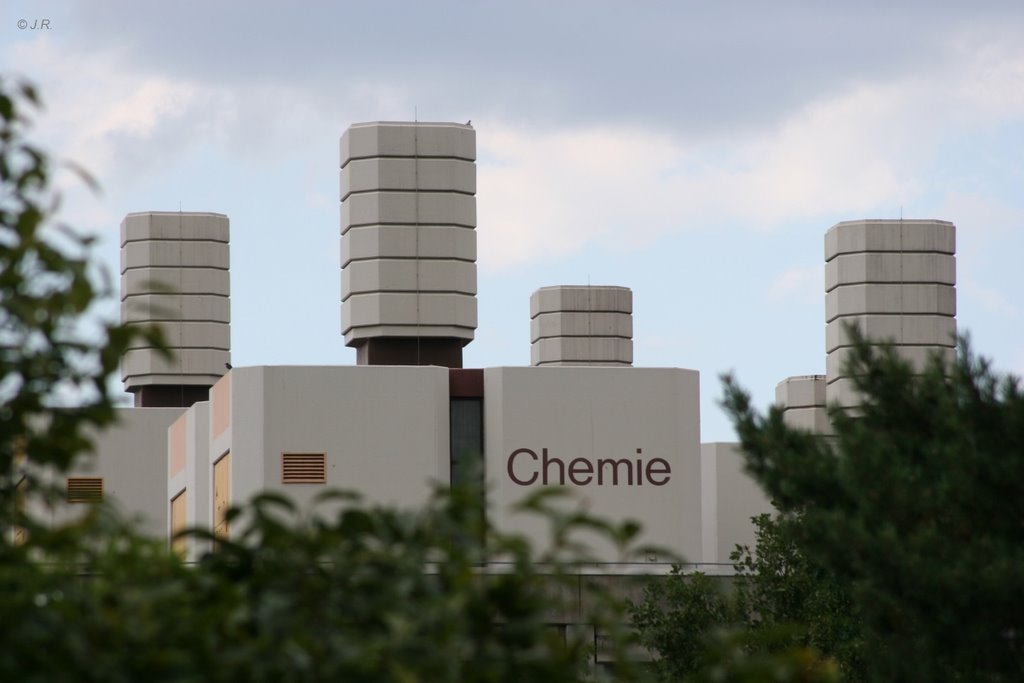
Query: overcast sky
(694, 151)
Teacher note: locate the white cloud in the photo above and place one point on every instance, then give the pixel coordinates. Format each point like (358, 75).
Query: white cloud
(983, 226)
(551, 193)
(866, 150)
(991, 75)
(805, 285)
(124, 128)
(991, 300)
(92, 108)
(544, 194)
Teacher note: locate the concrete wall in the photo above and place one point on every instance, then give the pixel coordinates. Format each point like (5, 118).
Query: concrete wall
(383, 430)
(131, 457)
(582, 416)
(385, 433)
(189, 469)
(730, 499)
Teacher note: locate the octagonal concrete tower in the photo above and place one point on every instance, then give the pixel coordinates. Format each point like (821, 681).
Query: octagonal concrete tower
(408, 242)
(802, 399)
(894, 280)
(581, 325)
(174, 272)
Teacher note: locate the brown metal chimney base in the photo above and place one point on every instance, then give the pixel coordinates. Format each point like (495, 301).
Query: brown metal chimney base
(170, 395)
(443, 351)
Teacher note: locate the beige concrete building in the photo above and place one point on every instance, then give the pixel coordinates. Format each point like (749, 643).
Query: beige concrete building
(623, 440)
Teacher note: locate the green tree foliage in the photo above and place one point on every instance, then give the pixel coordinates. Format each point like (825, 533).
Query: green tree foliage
(914, 509)
(344, 593)
(898, 551)
(730, 656)
(787, 600)
(777, 614)
(676, 618)
(361, 594)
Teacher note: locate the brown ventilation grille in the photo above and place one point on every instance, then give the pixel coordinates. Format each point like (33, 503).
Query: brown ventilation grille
(85, 489)
(303, 468)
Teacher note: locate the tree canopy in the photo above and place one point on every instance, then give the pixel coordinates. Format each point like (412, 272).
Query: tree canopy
(915, 507)
(898, 548)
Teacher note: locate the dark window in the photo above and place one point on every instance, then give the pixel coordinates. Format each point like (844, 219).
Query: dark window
(467, 441)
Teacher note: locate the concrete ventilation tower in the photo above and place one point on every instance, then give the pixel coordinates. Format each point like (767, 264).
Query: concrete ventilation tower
(408, 242)
(802, 399)
(174, 271)
(581, 325)
(895, 280)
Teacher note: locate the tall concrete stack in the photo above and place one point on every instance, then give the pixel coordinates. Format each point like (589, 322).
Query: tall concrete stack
(581, 325)
(408, 242)
(895, 281)
(174, 272)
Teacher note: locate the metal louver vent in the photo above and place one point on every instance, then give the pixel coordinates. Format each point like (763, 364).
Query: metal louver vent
(303, 468)
(85, 489)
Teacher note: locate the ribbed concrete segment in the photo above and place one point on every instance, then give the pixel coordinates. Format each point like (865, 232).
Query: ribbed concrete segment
(408, 236)
(581, 325)
(802, 399)
(917, 356)
(895, 280)
(174, 271)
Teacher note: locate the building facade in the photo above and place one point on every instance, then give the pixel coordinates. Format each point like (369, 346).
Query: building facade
(623, 440)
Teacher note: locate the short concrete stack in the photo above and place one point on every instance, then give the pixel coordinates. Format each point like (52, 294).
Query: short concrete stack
(895, 281)
(581, 325)
(802, 399)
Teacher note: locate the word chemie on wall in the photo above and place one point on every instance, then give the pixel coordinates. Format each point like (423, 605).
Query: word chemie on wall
(526, 468)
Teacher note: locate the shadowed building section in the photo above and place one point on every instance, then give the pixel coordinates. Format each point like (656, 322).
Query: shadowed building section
(408, 242)
(174, 272)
